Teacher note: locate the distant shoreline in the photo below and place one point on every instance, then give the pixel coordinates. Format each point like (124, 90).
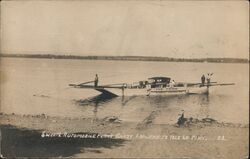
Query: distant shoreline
(129, 58)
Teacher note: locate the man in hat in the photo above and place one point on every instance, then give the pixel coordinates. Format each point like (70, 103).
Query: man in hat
(203, 78)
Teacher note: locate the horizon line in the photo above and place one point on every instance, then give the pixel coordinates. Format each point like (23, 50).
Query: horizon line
(139, 56)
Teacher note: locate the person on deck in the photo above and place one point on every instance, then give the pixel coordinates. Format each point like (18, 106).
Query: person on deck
(96, 80)
(172, 83)
(203, 78)
(209, 77)
(208, 80)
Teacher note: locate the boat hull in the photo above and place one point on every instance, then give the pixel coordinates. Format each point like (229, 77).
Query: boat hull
(157, 91)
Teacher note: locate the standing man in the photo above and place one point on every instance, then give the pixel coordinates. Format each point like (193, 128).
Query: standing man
(96, 80)
(209, 77)
(203, 78)
(172, 83)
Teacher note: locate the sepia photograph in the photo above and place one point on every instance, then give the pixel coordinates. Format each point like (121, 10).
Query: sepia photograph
(124, 79)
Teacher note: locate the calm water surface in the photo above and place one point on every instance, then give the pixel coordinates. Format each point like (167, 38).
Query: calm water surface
(36, 86)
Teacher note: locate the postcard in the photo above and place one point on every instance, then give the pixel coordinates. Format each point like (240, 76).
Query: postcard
(124, 79)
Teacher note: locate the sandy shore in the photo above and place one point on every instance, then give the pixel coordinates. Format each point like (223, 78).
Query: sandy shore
(40, 135)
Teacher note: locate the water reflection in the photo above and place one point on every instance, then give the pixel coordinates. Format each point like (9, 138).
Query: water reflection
(144, 106)
(203, 99)
(96, 101)
(164, 101)
(165, 109)
(125, 100)
(204, 105)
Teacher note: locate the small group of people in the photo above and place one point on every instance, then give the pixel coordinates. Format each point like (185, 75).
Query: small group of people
(203, 78)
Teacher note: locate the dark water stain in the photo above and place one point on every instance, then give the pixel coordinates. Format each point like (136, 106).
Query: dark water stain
(20, 142)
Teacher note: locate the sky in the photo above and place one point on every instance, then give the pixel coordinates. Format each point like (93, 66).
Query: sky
(179, 29)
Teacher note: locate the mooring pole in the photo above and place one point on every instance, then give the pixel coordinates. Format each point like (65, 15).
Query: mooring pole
(122, 90)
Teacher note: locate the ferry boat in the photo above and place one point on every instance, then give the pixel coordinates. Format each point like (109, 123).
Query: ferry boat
(151, 86)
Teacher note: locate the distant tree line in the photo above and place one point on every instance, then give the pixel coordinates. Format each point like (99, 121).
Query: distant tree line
(128, 58)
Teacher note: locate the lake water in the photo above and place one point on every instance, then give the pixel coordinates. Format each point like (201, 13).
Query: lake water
(36, 86)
